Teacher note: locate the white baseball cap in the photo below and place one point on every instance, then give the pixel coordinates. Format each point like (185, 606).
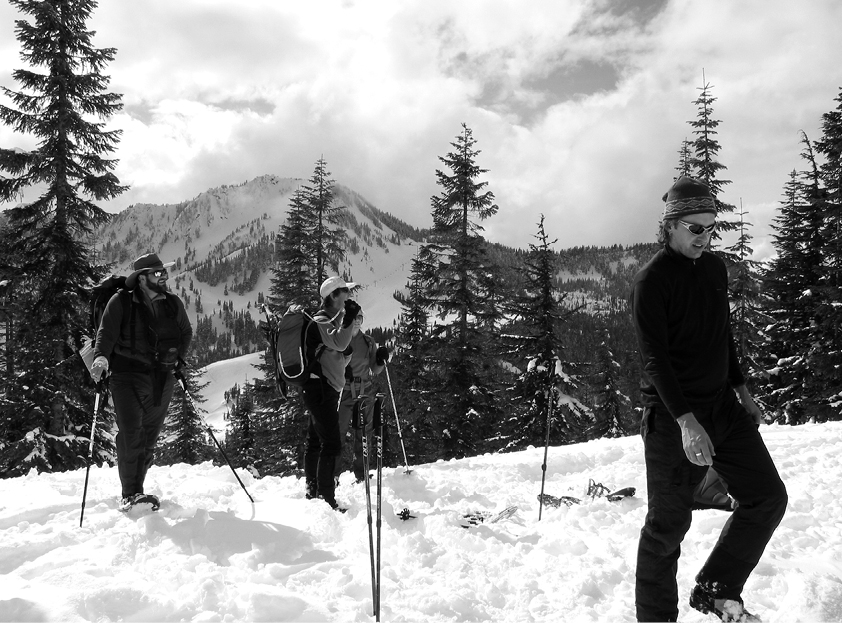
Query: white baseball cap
(332, 283)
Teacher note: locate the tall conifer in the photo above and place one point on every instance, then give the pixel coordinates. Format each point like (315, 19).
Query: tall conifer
(45, 252)
(456, 294)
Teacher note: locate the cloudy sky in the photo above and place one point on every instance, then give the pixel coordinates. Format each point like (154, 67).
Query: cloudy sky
(579, 107)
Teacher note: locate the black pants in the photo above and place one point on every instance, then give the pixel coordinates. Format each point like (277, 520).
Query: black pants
(139, 423)
(744, 463)
(352, 438)
(323, 442)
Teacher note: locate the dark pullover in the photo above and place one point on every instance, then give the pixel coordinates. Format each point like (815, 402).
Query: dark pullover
(682, 320)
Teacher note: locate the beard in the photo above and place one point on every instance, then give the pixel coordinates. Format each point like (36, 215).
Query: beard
(158, 287)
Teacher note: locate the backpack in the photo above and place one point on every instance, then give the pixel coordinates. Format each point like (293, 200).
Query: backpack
(100, 295)
(294, 355)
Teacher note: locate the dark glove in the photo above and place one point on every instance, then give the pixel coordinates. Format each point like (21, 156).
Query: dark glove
(352, 309)
(381, 356)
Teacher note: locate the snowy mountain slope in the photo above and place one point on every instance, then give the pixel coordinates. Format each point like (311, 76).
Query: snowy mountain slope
(210, 555)
(222, 376)
(221, 221)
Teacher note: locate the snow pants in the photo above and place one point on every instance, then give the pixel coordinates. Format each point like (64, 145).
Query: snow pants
(323, 442)
(352, 444)
(744, 463)
(139, 423)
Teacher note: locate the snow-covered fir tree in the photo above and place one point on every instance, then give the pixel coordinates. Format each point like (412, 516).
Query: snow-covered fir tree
(747, 303)
(706, 165)
(455, 293)
(612, 407)
(537, 345)
(45, 259)
(185, 438)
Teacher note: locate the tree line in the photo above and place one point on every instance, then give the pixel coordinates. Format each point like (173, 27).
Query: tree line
(488, 355)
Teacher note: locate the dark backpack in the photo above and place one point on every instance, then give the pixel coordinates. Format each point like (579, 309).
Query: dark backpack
(100, 295)
(295, 345)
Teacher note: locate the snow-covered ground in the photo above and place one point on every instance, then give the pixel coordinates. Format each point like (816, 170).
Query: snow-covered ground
(211, 555)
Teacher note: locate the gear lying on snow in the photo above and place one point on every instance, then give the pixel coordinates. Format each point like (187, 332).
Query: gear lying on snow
(139, 500)
(484, 517)
(595, 490)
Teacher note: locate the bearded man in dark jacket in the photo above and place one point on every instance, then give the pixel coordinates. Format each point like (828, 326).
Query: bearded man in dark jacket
(697, 413)
(143, 336)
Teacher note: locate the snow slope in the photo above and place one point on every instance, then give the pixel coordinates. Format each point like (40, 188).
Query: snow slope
(210, 555)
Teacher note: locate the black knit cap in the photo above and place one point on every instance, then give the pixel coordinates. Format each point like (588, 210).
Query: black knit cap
(688, 196)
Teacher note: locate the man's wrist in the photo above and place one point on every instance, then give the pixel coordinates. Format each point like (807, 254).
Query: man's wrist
(686, 418)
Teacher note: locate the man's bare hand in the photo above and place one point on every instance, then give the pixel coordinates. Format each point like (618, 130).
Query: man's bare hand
(694, 438)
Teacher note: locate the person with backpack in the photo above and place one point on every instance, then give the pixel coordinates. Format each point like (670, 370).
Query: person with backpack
(697, 413)
(326, 350)
(142, 338)
(367, 359)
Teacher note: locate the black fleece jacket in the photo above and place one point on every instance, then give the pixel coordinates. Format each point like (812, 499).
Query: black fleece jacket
(682, 320)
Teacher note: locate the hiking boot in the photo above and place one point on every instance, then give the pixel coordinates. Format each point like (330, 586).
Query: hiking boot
(333, 503)
(729, 610)
(311, 492)
(127, 501)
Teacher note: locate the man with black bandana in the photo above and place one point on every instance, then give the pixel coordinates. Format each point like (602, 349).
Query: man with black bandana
(697, 413)
(143, 335)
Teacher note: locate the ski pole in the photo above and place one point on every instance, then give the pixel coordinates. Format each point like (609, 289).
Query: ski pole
(546, 448)
(180, 378)
(100, 390)
(366, 466)
(378, 422)
(397, 420)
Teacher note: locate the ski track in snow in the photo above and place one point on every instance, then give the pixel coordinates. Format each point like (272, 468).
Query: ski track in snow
(210, 555)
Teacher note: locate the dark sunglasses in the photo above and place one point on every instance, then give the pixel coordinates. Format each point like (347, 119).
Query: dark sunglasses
(698, 230)
(160, 272)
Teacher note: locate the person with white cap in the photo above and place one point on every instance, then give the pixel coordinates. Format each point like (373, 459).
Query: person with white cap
(143, 336)
(697, 413)
(322, 390)
(367, 360)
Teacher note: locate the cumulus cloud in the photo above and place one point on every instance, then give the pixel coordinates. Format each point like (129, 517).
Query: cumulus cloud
(579, 107)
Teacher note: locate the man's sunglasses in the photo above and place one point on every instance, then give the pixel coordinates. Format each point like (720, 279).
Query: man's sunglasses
(698, 230)
(160, 272)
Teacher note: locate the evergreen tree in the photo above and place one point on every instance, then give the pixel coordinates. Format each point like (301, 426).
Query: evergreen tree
(328, 239)
(44, 254)
(536, 336)
(747, 303)
(685, 160)
(792, 282)
(613, 407)
(239, 436)
(294, 280)
(185, 438)
(826, 349)
(408, 369)
(455, 291)
(705, 163)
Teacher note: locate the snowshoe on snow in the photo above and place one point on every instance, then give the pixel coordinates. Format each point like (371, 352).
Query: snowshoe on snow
(474, 519)
(619, 494)
(555, 502)
(405, 515)
(728, 610)
(139, 499)
(595, 490)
